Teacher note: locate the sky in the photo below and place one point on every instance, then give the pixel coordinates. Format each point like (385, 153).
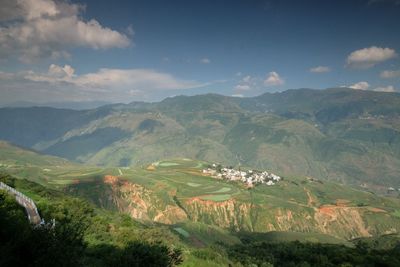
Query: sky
(147, 50)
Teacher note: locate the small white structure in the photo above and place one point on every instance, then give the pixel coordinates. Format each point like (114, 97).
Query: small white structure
(270, 182)
(249, 177)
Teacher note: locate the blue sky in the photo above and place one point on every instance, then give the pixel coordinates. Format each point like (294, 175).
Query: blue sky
(124, 51)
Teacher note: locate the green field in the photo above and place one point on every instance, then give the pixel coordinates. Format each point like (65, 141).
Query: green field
(175, 191)
(217, 198)
(276, 237)
(182, 232)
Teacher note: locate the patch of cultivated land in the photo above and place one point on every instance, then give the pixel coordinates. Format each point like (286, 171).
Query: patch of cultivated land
(176, 191)
(217, 198)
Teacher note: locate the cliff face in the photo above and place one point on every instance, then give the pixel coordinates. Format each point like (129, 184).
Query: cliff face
(337, 220)
(226, 214)
(143, 204)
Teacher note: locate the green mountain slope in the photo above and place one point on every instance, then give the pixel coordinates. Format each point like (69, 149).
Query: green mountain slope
(86, 235)
(177, 193)
(344, 135)
(14, 156)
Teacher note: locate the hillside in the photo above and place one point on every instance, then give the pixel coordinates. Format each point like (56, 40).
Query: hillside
(97, 237)
(173, 205)
(344, 135)
(177, 193)
(14, 156)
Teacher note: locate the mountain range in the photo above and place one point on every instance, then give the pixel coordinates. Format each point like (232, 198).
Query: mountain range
(142, 174)
(338, 134)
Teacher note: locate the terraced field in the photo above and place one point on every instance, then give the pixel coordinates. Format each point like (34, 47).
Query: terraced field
(176, 192)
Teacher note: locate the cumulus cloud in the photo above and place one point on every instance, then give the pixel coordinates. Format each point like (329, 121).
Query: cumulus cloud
(273, 79)
(112, 78)
(387, 89)
(242, 87)
(360, 86)
(142, 79)
(369, 57)
(390, 74)
(6, 75)
(45, 28)
(54, 74)
(320, 69)
(205, 61)
(113, 84)
(246, 84)
(251, 83)
(246, 79)
(366, 86)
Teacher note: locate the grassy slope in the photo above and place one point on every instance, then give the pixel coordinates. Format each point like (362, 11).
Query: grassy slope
(176, 182)
(198, 245)
(184, 175)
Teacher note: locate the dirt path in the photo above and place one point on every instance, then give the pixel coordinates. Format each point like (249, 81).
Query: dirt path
(310, 201)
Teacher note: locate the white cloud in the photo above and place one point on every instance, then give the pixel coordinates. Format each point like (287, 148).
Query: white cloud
(6, 75)
(14, 9)
(366, 86)
(251, 83)
(56, 70)
(242, 87)
(246, 83)
(47, 28)
(390, 74)
(54, 74)
(105, 84)
(205, 61)
(320, 69)
(238, 95)
(139, 79)
(369, 57)
(142, 79)
(360, 86)
(273, 79)
(246, 79)
(387, 89)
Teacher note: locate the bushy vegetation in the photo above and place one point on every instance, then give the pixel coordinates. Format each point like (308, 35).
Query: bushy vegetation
(83, 235)
(23, 245)
(310, 254)
(86, 235)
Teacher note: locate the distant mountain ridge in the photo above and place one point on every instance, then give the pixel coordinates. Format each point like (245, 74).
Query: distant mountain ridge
(341, 134)
(76, 105)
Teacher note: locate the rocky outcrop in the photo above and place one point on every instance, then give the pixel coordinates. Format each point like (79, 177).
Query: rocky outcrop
(165, 207)
(143, 204)
(226, 214)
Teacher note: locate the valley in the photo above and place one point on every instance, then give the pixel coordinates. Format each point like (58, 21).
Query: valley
(338, 134)
(214, 173)
(177, 192)
(261, 133)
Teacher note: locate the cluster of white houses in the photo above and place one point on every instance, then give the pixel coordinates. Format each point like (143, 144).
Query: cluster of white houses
(249, 177)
